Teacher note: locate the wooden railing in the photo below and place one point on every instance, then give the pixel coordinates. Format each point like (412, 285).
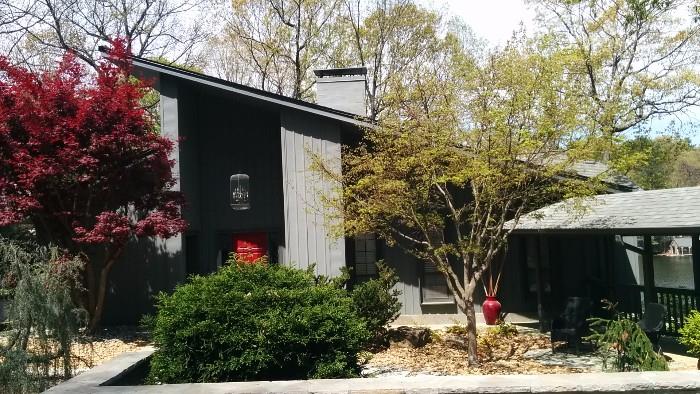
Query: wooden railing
(678, 302)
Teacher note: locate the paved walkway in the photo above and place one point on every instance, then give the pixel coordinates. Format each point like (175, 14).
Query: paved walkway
(636, 382)
(439, 320)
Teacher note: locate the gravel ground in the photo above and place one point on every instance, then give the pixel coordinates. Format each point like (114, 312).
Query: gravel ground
(95, 349)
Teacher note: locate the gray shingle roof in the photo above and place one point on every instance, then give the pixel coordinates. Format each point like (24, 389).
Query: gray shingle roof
(590, 169)
(642, 212)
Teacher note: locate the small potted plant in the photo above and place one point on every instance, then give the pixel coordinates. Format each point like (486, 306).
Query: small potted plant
(491, 307)
(690, 334)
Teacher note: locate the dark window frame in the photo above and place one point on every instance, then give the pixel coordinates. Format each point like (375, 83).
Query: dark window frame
(351, 256)
(431, 277)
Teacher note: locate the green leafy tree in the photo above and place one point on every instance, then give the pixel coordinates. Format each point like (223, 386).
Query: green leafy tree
(686, 170)
(395, 40)
(635, 59)
(274, 45)
(36, 32)
(280, 41)
(658, 159)
(465, 151)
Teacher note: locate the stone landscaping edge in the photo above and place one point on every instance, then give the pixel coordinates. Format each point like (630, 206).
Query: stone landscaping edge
(97, 380)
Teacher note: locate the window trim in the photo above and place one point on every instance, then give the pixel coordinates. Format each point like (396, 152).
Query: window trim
(446, 300)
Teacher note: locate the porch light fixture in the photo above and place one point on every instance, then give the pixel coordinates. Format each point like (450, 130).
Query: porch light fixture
(239, 191)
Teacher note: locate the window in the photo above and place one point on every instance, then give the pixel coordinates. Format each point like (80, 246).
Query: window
(365, 257)
(433, 287)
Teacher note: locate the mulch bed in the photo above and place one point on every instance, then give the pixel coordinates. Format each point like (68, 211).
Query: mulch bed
(446, 354)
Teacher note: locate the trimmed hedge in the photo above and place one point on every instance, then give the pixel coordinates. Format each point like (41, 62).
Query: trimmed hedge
(255, 322)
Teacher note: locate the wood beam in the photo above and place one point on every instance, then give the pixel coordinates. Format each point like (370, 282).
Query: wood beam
(541, 252)
(633, 248)
(696, 266)
(648, 263)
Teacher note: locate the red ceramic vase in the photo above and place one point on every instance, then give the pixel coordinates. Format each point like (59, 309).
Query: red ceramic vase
(491, 309)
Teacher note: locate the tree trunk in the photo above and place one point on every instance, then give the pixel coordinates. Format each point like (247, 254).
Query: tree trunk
(101, 290)
(91, 286)
(96, 314)
(472, 357)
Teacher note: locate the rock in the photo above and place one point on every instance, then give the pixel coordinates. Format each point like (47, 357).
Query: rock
(413, 336)
(455, 341)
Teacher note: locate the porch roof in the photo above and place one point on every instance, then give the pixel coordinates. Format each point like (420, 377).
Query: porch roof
(667, 211)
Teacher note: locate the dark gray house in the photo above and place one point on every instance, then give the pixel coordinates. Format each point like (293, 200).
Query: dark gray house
(615, 249)
(223, 128)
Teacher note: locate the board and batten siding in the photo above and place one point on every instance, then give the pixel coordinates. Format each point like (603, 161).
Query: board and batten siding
(150, 264)
(307, 240)
(234, 137)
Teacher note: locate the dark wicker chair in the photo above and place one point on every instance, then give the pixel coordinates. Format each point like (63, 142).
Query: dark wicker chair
(652, 323)
(572, 325)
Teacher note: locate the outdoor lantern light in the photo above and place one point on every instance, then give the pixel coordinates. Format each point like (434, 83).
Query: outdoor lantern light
(239, 187)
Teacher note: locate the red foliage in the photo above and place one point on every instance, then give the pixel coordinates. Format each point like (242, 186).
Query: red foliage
(81, 158)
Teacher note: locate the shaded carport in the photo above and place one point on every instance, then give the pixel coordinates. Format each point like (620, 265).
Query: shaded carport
(627, 224)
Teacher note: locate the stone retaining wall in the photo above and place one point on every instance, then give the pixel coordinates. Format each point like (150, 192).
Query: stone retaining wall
(97, 379)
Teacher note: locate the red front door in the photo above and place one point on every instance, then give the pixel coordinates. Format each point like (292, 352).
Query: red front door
(250, 247)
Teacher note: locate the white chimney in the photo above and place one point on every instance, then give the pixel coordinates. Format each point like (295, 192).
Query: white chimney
(342, 89)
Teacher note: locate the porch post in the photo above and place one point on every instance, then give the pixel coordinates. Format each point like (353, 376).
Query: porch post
(696, 266)
(542, 252)
(648, 263)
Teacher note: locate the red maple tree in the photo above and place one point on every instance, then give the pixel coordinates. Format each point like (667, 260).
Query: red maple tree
(81, 159)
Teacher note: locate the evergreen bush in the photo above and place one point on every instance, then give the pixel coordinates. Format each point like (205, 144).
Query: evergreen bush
(690, 333)
(626, 343)
(376, 301)
(42, 321)
(256, 322)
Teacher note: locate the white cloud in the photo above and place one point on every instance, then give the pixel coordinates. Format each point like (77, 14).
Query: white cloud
(493, 20)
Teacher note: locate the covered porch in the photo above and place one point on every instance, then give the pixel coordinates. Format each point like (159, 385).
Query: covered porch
(630, 248)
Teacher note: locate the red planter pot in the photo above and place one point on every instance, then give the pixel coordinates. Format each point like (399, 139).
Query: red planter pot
(492, 310)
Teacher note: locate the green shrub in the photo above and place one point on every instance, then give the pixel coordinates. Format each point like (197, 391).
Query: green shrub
(626, 343)
(43, 320)
(690, 333)
(255, 322)
(457, 329)
(375, 301)
(497, 342)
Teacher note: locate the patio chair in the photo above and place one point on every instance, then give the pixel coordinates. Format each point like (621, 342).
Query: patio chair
(572, 325)
(652, 323)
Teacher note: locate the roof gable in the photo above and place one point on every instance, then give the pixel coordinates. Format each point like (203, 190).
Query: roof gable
(145, 67)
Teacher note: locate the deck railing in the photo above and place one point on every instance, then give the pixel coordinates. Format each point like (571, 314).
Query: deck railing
(678, 302)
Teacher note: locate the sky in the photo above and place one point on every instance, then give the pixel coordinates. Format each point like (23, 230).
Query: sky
(495, 21)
